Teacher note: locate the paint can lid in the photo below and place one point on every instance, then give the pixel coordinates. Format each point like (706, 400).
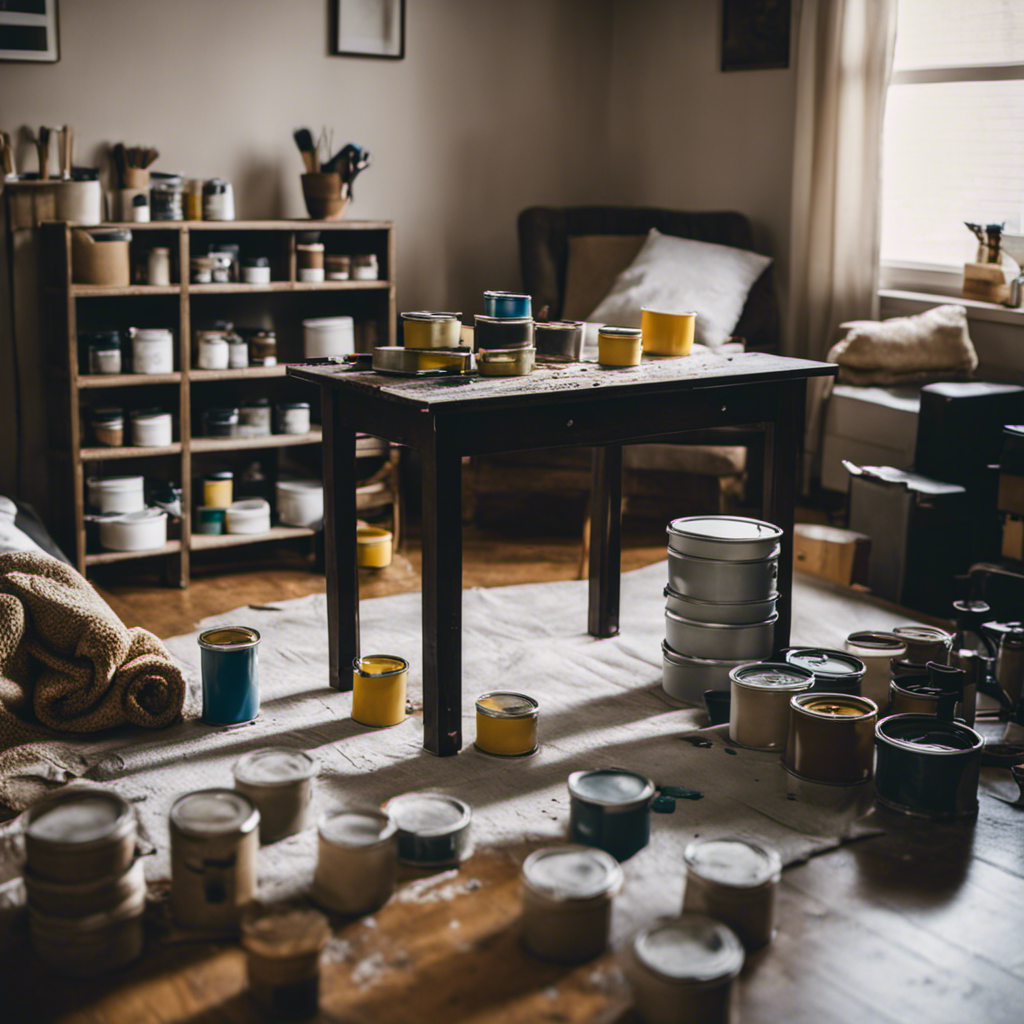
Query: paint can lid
(506, 704)
(214, 812)
(733, 862)
(274, 766)
(566, 873)
(727, 529)
(75, 817)
(361, 828)
(772, 675)
(693, 949)
(825, 663)
(615, 789)
(869, 642)
(428, 814)
(926, 733)
(834, 705)
(229, 638)
(504, 295)
(620, 332)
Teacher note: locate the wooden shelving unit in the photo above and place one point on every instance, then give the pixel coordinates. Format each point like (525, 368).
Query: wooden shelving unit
(281, 304)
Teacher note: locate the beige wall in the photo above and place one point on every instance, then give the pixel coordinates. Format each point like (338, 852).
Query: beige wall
(688, 136)
(497, 106)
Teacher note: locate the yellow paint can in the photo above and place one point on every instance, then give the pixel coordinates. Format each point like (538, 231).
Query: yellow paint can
(379, 684)
(667, 334)
(506, 724)
(373, 547)
(619, 346)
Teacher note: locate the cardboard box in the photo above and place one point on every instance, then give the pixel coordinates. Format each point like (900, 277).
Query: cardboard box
(841, 556)
(103, 263)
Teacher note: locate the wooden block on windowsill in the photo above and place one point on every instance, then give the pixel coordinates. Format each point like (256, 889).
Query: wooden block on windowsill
(987, 282)
(830, 553)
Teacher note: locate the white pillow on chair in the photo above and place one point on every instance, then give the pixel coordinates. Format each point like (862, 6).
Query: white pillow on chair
(681, 274)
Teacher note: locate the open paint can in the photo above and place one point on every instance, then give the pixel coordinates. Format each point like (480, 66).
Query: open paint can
(506, 724)
(927, 767)
(759, 706)
(231, 682)
(379, 684)
(833, 671)
(875, 649)
(924, 643)
(831, 738)
(610, 808)
(941, 692)
(567, 902)
(726, 538)
(433, 828)
(667, 334)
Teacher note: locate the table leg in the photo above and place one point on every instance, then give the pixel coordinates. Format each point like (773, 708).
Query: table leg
(442, 599)
(782, 449)
(605, 541)
(339, 445)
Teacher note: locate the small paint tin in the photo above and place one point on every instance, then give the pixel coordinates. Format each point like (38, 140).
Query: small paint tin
(927, 767)
(507, 304)
(218, 488)
(725, 580)
(433, 829)
(279, 781)
(759, 703)
(79, 834)
(725, 612)
(424, 329)
(250, 515)
(83, 898)
(293, 417)
(717, 640)
(619, 346)
(926, 695)
(735, 882)
(502, 332)
(686, 678)
(357, 863)
(567, 894)
(506, 724)
(505, 362)
(373, 547)
(833, 671)
(559, 341)
(214, 849)
(875, 649)
(831, 738)
(209, 520)
(924, 643)
(231, 689)
(610, 808)
(683, 970)
(379, 683)
(726, 538)
(667, 334)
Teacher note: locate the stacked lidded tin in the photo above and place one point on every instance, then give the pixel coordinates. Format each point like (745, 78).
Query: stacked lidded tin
(85, 887)
(719, 602)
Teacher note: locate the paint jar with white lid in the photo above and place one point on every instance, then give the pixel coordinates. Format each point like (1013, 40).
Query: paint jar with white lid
(357, 862)
(293, 417)
(876, 649)
(152, 350)
(213, 352)
(152, 428)
(567, 896)
(279, 781)
(759, 707)
(238, 352)
(158, 267)
(256, 270)
(214, 848)
(684, 970)
(78, 834)
(736, 882)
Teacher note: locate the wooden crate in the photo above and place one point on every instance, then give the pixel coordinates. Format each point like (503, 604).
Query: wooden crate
(838, 555)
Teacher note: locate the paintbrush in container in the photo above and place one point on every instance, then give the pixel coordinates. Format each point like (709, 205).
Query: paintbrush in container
(307, 147)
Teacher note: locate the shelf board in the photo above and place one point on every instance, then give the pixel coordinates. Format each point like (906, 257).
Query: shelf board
(252, 225)
(106, 557)
(245, 373)
(231, 444)
(239, 287)
(85, 291)
(205, 541)
(124, 380)
(341, 286)
(128, 452)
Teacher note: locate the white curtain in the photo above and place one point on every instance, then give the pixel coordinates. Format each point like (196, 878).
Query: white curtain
(844, 59)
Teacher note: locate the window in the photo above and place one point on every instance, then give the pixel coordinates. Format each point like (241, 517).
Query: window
(954, 129)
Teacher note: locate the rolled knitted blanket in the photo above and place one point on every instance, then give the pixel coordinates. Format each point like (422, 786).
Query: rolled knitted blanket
(69, 663)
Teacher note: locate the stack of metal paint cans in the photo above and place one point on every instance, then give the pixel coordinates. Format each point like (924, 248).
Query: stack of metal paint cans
(504, 335)
(719, 602)
(85, 888)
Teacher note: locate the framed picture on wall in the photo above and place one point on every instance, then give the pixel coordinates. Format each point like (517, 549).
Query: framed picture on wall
(755, 34)
(28, 30)
(367, 28)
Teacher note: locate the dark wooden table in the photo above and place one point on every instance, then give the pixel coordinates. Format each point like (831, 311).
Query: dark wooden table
(447, 418)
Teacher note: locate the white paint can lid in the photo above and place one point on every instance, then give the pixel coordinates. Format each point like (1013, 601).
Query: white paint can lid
(214, 812)
(733, 862)
(565, 873)
(274, 766)
(693, 949)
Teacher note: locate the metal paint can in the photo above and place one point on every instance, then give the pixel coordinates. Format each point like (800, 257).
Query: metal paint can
(726, 538)
(357, 863)
(507, 304)
(619, 346)
(610, 808)
(667, 334)
(214, 849)
(726, 612)
(683, 970)
(927, 767)
(831, 738)
(567, 894)
(424, 329)
(279, 781)
(559, 341)
(506, 724)
(686, 679)
(505, 362)
(231, 690)
(759, 706)
(876, 649)
(713, 579)
(433, 829)
(735, 882)
(718, 640)
(924, 643)
(502, 332)
(379, 685)
(834, 671)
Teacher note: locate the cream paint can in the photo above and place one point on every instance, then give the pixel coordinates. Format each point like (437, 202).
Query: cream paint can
(567, 894)
(357, 862)
(875, 649)
(759, 706)
(214, 849)
(924, 643)
(736, 882)
(279, 781)
(433, 828)
(683, 971)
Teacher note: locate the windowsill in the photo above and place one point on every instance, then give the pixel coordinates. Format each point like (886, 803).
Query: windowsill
(976, 309)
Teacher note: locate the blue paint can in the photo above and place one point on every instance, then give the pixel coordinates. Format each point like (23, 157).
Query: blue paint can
(610, 808)
(231, 691)
(504, 304)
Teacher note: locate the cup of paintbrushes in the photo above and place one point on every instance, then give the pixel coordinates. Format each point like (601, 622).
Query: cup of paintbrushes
(325, 194)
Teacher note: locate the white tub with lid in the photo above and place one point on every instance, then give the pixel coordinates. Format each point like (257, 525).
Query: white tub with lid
(300, 503)
(134, 531)
(249, 516)
(152, 428)
(152, 350)
(116, 493)
(328, 336)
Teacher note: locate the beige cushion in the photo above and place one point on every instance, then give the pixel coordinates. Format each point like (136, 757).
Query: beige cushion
(699, 459)
(595, 261)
